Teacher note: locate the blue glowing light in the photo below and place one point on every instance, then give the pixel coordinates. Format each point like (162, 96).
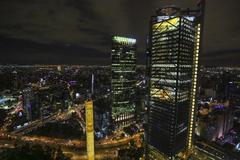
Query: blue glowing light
(219, 107)
(238, 147)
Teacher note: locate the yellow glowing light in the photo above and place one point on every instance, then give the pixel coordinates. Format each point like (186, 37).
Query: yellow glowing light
(89, 129)
(194, 85)
(167, 25)
(159, 93)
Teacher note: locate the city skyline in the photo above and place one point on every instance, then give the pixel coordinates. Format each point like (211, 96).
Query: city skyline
(79, 32)
(119, 80)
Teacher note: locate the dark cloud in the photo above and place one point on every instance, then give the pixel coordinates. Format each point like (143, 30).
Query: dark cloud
(54, 53)
(55, 31)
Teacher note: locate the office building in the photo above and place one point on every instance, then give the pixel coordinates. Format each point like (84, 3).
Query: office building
(173, 50)
(123, 81)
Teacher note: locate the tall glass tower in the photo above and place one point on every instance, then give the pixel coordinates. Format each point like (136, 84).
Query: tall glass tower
(123, 79)
(173, 49)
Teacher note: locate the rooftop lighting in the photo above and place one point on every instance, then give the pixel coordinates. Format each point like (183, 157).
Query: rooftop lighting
(124, 40)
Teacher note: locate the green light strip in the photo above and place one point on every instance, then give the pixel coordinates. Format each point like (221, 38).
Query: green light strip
(124, 40)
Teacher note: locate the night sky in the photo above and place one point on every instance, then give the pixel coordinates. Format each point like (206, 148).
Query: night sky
(79, 31)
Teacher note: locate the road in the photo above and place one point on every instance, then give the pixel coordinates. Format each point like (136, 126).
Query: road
(76, 148)
(40, 122)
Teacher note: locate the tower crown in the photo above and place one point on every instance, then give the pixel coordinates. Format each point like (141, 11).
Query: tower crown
(168, 10)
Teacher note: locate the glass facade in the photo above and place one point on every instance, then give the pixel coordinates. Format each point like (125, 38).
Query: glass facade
(123, 79)
(172, 85)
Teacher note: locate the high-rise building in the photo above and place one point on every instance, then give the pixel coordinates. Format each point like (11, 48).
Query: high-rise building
(27, 99)
(123, 80)
(173, 49)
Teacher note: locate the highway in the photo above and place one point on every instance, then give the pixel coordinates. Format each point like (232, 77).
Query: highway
(77, 144)
(107, 147)
(54, 117)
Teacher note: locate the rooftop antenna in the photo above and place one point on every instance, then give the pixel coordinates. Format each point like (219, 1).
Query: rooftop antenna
(92, 84)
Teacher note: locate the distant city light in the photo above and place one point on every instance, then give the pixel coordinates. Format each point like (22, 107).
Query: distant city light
(20, 114)
(72, 82)
(77, 95)
(219, 107)
(238, 147)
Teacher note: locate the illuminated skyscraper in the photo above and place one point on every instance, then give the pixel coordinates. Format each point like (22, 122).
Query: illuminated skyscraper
(123, 79)
(173, 48)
